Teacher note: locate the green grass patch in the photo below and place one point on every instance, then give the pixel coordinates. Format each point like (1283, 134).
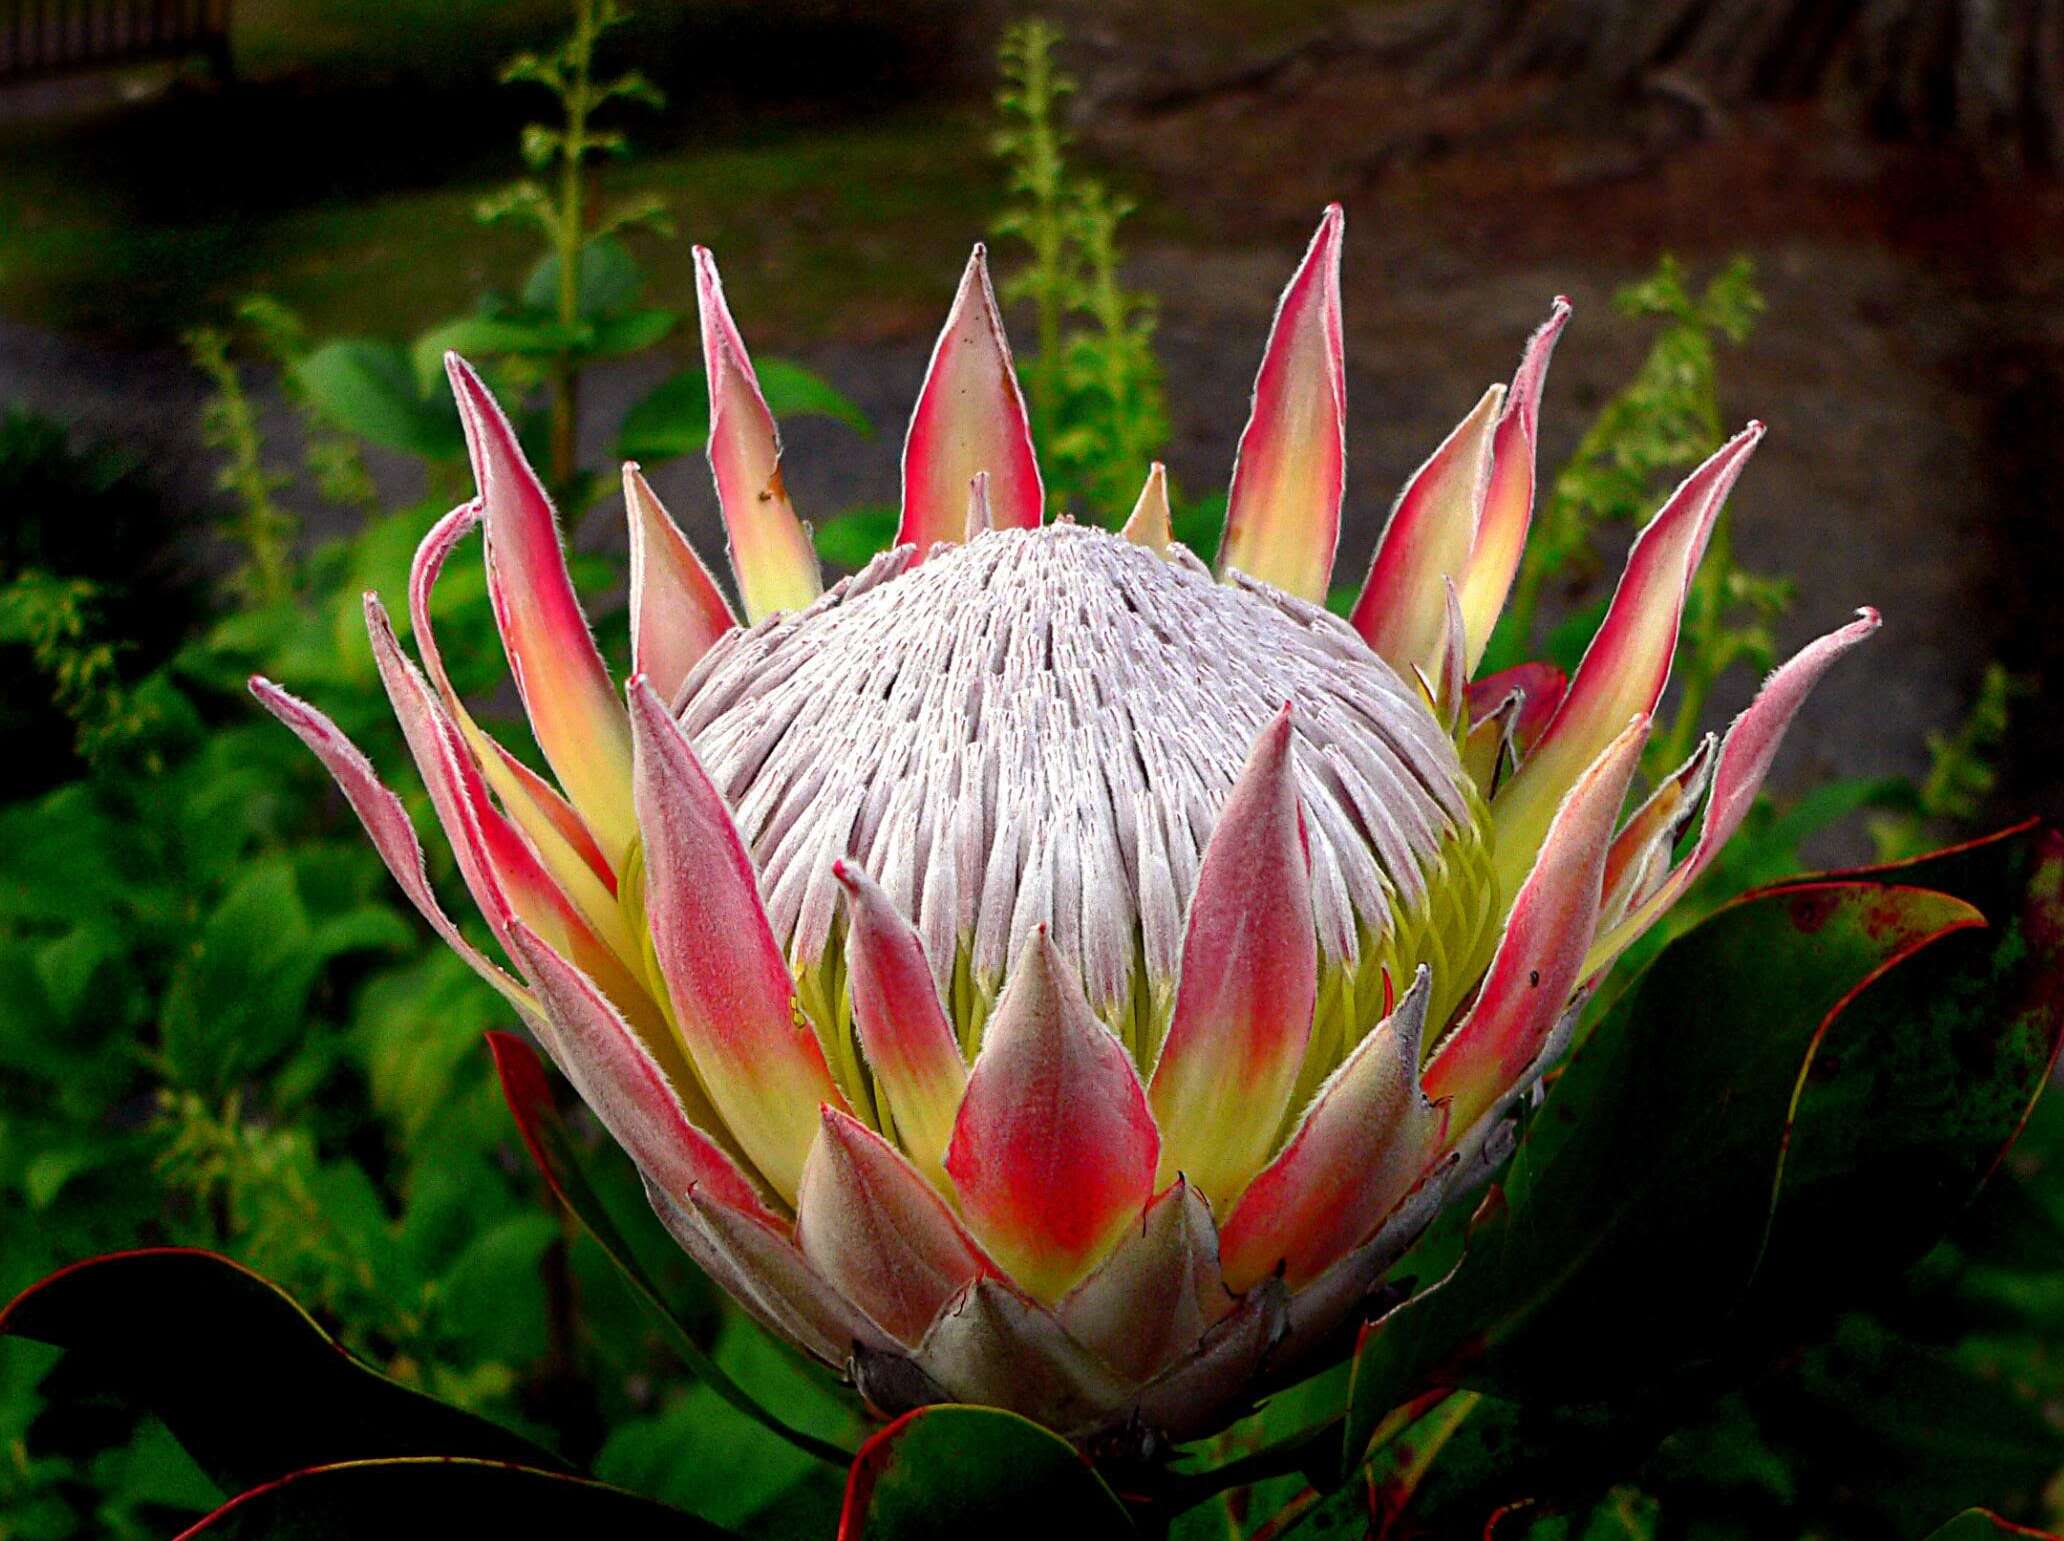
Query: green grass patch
(817, 225)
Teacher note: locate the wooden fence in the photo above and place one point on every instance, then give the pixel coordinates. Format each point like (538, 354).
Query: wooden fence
(55, 37)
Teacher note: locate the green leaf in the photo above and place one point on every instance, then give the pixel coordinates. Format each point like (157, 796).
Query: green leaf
(614, 336)
(246, 1381)
(68, 966)
(481, 337)
(742, 1475)
(52, 1167)
(153, 1471)
(433, 1498)
(416, 1033)
(1636, 1206)
(608, 280)
(794, 391)
(550, 1143)
(238, 998)
(1488, 1455)
(852, 540)
(361, 928)
(369, 388)
(671, 420)
(1912, 1431)
(65, 857)
(476, 1303)
(949, 1472)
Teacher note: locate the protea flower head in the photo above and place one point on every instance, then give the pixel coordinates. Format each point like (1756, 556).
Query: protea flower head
(1036, 970)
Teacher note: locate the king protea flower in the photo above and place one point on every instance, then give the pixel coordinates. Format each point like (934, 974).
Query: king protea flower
(1037, 970)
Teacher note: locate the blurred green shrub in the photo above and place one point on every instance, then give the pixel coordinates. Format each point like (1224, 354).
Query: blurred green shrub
(91, 581)
(1093, 384)
(583, 300)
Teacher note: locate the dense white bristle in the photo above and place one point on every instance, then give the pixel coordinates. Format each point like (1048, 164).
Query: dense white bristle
(1041, 726)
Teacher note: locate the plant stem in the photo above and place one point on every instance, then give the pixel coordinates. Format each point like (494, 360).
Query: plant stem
(263, 529)
(1041, 169)
(569, 232)
(1113, 312)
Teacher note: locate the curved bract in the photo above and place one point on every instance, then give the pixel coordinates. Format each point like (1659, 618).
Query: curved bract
(1037, 970)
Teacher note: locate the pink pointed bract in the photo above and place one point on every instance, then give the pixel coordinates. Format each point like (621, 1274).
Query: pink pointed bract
(771, 554)
(970, 420)
(1283, 513)
(1035, 970)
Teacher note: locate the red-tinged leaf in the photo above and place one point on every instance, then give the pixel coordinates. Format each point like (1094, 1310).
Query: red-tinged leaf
(902, 1025)
(1403, 609)
(528, 1091)
(431, 1498)
(245, 1380)
(767, 1274)
(1921, 1084)
(1640, 854)
(1540, 957)
(732, 993)
(1158, 1292)
(624, 1085)
(1539, 686)
(1361, 1147)
(1637, 1205)
(562, 838)
(1745, 758)
(388, 824)
(1194, 1396)
(878, 1232)
(949, 1472)
(501, 868)
(994, 1346)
